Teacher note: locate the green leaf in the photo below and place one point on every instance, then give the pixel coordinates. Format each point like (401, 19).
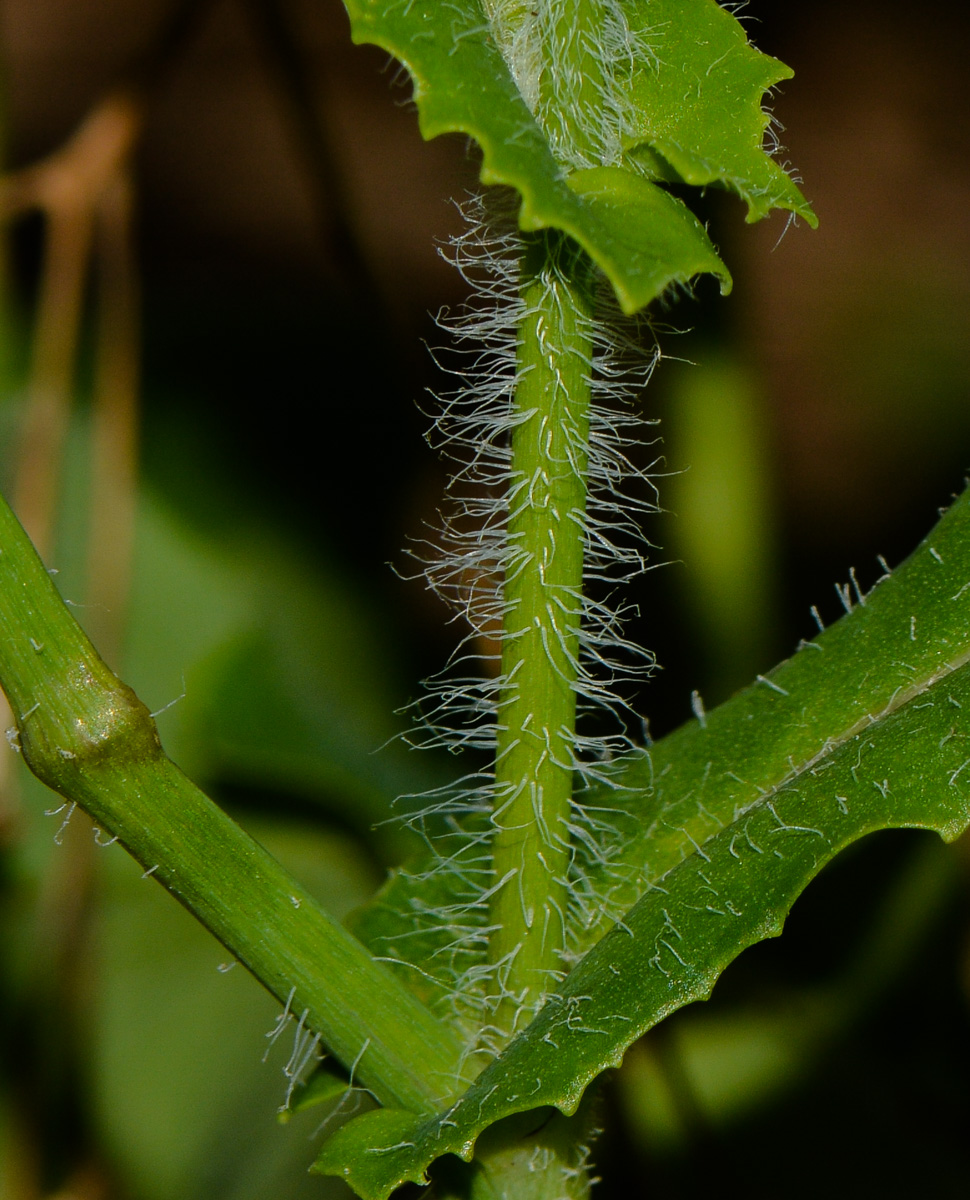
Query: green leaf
(184, 1080)
(866, 728)
(651, 238)
(902, 640)
(357, 1151)
(736, 1059)
(327, 1083)
(471, 76)
(287, 678)
(704, 118)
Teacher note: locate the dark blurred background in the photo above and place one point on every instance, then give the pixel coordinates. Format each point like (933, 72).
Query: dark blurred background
(271, 234)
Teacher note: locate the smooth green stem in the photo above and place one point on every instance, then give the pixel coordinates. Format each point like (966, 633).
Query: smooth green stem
(542, 589)
(86, 735)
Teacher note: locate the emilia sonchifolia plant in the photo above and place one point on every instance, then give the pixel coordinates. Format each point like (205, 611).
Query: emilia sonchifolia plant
(582, 886)
(544, 430)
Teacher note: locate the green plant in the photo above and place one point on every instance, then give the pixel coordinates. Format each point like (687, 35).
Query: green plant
(677, 857)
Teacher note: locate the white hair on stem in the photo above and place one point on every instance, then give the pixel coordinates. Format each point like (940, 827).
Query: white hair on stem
(467, 561)
(573, 65)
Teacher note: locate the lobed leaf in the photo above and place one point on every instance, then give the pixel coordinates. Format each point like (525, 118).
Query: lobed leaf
(705, 122)
(704, 117)
(866, 728)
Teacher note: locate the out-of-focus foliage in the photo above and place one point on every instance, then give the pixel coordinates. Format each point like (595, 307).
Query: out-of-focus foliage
(148, 992)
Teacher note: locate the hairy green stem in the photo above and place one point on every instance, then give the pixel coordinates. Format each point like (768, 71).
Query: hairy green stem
(576, 104)
(542, 598)
(86, 735)
(562, 58)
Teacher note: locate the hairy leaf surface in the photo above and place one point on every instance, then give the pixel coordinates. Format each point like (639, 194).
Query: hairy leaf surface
(866, 728)
(700, 124)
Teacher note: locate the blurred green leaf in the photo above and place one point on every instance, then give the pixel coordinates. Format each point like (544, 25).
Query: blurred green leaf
(721, 519)
(183, 1096)
(266, 668)
(327, 1083)
(287, 680)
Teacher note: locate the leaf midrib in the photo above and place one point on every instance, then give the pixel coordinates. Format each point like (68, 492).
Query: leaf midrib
(899, 700)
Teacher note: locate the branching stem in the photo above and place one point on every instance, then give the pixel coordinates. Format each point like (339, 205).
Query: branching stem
(86, 735)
